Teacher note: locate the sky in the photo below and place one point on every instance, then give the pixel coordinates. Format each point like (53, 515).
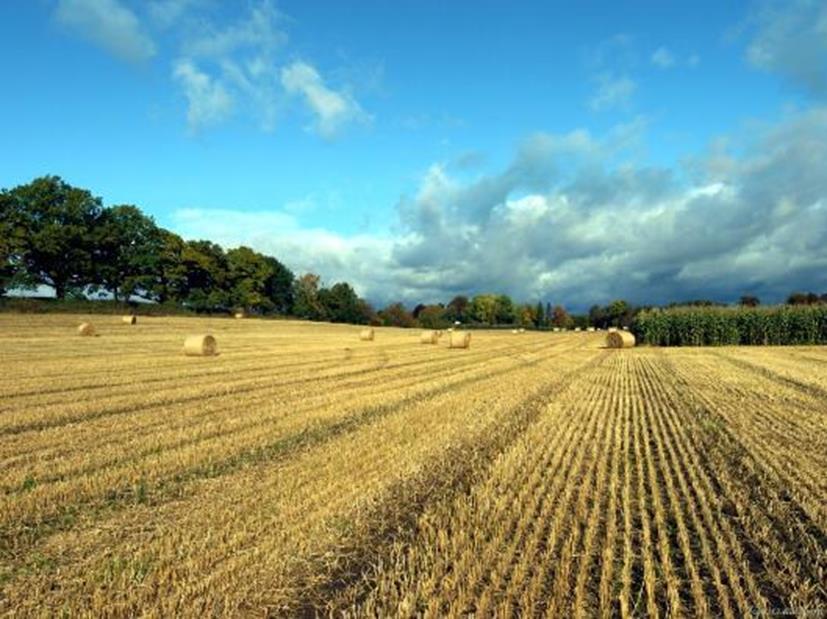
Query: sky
(563, 152)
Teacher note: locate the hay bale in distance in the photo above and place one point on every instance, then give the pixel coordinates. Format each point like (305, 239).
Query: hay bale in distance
(86, 329)
(521, 330)
(620, 339)
(239, 315)
(590, 329)
(460, 339)
(514, 331)
(130, 320)
(577, 329)
(556, 329)
(200, 346)
(366, 335)
(429, 337)
(612, 329)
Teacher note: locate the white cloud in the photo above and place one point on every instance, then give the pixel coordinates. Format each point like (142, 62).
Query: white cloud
(207, 98)
(259, 33)
(167, 12)
(332, 109)
(612, 91)
(107, 23)
(790, 39)
(663, 58)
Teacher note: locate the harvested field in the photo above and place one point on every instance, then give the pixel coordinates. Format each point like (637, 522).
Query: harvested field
(304, 471)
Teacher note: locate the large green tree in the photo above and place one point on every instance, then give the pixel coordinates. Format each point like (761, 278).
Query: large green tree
(306, 303)
(59, 220)
(484, 308)
(169, 282)
(279, 287)
(207, 279)
(127, 249)
(341, 303)
(248, 275)
(458, 309)
(12, 231)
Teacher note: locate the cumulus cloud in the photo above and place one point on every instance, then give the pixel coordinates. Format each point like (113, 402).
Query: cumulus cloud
(332, 109)
(662, 58)
(208, 101)
(790, 38)
(572, 218)
(612, 91)
(599, 230)
(109, 24)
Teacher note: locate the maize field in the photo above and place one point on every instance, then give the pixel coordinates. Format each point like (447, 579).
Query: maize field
(304, 471)
(733, 326)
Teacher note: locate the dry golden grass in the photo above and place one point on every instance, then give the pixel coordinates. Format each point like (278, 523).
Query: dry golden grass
(305, 471)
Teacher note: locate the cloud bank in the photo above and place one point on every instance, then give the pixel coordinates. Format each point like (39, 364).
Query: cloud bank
(573, 219)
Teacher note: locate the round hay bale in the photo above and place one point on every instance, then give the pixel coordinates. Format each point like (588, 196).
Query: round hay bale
(366, 335)
(429, 337)
(86, 329)
(200, 346)
(460, 339)
(556, 329)
(521, 330)
(577, 329)
(612, 329)
(590, 329)
(129, 320)
(239, 315)
(620, 339)
(514, 331)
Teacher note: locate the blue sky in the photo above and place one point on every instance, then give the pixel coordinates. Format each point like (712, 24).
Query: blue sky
(569, 152)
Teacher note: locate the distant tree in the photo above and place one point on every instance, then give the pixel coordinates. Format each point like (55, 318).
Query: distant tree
(306, 303)
(367, 315)
(395, 315)
(57, 248)
(279, 286)
(803, 298)
(526, 315)
(483, 308)
(127, 245)
(749, 301)
(433, 317)
(597, 316)
(580, 320)
(341, 303)
(540, 319)
(505, 313)
(419, 307)
(458, 309)
(560, 317)
(618, 313)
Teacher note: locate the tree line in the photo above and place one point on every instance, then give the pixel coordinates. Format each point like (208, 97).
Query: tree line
(56, 235)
